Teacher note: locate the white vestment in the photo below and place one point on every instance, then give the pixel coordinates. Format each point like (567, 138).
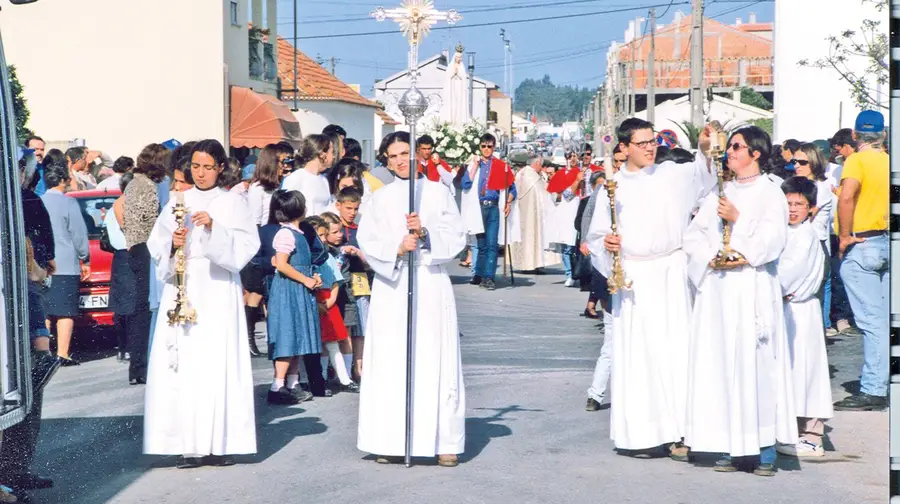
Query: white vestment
(651, 321)
(313, 187)
(740, 395)
(439, 399)
(470, 212)
(531, 252)
(801, 271)
(199, 397)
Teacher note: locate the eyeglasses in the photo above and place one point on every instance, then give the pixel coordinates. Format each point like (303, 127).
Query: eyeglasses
(801, 162)
(736, 147)
(645, 143)
(287, 161)
(487, 146)
(795, 204)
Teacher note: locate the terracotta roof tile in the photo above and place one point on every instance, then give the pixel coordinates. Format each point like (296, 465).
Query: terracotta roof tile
(496, 93)
(386, 118)
(315, 83)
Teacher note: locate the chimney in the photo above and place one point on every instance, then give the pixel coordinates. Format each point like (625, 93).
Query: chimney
(752, 19)
(738, 22)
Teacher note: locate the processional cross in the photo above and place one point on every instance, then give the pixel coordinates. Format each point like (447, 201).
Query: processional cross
(416, 17)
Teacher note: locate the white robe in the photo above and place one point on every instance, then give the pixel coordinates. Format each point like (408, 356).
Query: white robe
(199, 397)
(651, 321)
(470, 213)
(313, 187)
(439, 399)
(531, 251)
(801, 271)
(740, 395)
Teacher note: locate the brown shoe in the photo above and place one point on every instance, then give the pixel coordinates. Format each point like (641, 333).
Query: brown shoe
(678, 452)
(448, 460)
(388, 459)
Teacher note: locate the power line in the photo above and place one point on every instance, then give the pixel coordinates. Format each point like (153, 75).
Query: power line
(735, 9)
(492, 23)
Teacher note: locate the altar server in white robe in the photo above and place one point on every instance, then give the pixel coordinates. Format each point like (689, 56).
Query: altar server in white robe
(314, 157)
(801, 271)
(199, 399)
(740, 396)
(386, 234)
(651, 320)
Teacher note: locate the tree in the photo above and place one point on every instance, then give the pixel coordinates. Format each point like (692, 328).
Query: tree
(20, 105)
(870, 44)
(549, 101)
(767, 125)
(749, 96)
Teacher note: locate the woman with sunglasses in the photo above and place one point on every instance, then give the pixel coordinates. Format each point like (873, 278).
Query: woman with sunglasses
(739, 385)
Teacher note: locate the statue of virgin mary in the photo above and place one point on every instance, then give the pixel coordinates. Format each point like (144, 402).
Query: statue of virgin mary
(456, 98)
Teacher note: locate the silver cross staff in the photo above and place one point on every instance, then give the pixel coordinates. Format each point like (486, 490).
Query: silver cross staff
(416, 17)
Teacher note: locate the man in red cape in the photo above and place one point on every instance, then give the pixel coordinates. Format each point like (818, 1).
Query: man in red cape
(430, 164)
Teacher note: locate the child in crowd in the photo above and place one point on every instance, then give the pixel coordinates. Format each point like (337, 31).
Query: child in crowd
(347, 203)
(331, 300)
(801, 271)
(293, 319)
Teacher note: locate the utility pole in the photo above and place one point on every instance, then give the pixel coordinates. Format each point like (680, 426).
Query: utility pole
(332, 65)
(651, 70)
(632, 108)
(472, 85)
(697, 64)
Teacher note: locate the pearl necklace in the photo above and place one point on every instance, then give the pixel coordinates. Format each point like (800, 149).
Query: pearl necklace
(748, 177)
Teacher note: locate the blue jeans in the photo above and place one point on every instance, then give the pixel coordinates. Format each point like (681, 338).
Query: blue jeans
(567, 252)
(767, 455)
(840, 307)
(486, 249)
(867, 281)
(826, 302)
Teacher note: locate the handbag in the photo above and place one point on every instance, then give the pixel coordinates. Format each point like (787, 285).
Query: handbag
(105, 244)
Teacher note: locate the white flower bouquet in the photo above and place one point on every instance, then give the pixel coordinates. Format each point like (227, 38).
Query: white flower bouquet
(456, 145)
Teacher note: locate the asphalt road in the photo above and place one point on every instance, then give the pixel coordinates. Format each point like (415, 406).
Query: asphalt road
(527, 358)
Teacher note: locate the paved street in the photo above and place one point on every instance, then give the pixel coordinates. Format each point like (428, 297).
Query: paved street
(528, 359)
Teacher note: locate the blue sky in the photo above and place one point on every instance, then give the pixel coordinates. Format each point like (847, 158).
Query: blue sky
(571, 50)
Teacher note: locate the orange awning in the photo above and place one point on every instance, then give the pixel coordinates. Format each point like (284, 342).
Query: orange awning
(258, 120)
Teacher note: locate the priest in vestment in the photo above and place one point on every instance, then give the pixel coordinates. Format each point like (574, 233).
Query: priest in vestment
(534, 203)
(386, 234)
(651, 320)
(740, 392)
(199, 398)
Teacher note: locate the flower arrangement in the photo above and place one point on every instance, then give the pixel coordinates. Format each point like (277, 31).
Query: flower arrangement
(456, 145)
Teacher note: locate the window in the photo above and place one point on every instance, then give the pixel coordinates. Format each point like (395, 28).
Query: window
(234, 13)
(270, 68)
(256, 63)
(94, 210)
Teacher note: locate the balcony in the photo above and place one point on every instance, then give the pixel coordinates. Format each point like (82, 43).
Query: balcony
(263, 65)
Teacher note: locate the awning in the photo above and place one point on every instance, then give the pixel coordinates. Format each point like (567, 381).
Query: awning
(258, 120)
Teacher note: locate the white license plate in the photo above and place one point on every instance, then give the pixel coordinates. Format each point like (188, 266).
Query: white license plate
(95, 301)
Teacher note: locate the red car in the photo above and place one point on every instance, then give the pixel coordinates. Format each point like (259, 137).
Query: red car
(94, 292)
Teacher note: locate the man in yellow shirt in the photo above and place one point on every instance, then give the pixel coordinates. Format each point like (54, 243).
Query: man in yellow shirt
(863, 220)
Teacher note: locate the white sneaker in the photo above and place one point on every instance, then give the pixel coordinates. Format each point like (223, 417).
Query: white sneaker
(570, 282)
(802, 449)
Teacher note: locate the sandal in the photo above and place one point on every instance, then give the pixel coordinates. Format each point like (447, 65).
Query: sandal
(678, 452)
(448, 460)
(465, 264)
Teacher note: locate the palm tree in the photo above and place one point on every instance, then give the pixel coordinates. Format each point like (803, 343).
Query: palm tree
(691, 132)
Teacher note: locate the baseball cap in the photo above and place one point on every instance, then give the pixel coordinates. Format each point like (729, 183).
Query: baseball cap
(869, 121)
(247, 172)
(171, 144)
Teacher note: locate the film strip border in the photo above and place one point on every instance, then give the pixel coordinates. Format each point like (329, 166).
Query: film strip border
(894, 394)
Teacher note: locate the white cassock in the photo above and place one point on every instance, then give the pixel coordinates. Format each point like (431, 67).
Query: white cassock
(651, 321)
(531, 252)
(826, 202)
(199, 397)
(801, 271)
(470, 213)
(439, 399)
(313, 187)
(740, 396)
(560, 223)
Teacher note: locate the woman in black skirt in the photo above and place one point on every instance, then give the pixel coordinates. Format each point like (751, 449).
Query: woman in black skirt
(121, 284)
(72, 258)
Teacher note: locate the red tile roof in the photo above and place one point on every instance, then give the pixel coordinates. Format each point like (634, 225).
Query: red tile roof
(315, 83)
(386, 118)
(497, 94)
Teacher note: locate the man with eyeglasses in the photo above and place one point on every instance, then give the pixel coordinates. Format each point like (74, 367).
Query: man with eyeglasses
(650, 327)
(493, 182)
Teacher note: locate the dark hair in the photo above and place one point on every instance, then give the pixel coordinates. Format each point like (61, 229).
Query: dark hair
(30, 138)
(776, 165)
(213, 148)
(617, 149)
(391, 139)
(816, 159)
(334, 129)
(185, 170)
(231, 174)
(843, 137)
(315, 222)
(337, 146)
(56, 174)
(125, 179)
(313, 146)
(791, 145)
(123, 165)
(349, 194)
(625, 130)
(347, 167)
(802, 186)
(587, 149)
(680, 155)
(425, 140)
(487, 137)
(268, 172)
(54, 156)
(285, 148)
(75, 154)
(352, 148)
(152, 162)
(663, 154)
(757, 140)
(287, 206)
(181, 158)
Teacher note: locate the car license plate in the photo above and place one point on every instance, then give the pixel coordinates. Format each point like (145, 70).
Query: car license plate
(94, 301)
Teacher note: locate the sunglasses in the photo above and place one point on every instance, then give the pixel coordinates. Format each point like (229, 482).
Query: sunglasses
(801, 162)
(736, 147)
(487, 146)
(287, 161)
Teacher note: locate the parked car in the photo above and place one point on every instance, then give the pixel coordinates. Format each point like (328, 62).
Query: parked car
(94, 292)
(559, 156)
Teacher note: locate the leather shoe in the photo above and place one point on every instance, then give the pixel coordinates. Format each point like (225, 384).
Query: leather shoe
(28, 481)
(861, 402)
(592, 405)
(476, 280)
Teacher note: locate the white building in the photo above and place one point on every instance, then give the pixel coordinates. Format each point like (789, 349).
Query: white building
(122, 74)
(810, 103)
(432, 77)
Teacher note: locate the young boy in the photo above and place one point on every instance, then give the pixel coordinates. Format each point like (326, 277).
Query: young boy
(347, 204)
(801, 271)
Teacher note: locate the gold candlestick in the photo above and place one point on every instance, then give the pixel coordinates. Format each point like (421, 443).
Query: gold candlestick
(727, 257)
(182, 313)
(616, 279)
